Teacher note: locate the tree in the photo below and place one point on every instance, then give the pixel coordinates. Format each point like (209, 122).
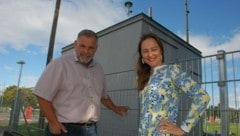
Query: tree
(26, 96)
(9, 95)
(28, 99)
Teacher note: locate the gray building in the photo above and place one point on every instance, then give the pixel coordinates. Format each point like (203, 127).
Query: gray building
(117, 53)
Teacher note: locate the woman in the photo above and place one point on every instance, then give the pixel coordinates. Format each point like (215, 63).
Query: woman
(158, 85)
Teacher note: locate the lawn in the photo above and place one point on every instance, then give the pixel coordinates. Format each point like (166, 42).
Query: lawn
(215, 127)
(26, 130)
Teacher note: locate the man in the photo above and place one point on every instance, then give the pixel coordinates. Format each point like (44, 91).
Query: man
(71, 89)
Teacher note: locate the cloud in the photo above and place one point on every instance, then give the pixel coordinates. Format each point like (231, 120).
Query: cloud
(208, 46)
(8, 68)
(29, 80)
(27, 22)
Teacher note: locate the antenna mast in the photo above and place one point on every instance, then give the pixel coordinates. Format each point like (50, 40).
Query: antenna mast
(187, 12)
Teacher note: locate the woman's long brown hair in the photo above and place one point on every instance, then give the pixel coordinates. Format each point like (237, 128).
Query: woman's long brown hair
(143, 70)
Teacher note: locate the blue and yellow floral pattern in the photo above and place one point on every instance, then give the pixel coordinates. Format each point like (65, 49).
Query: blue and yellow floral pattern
(159, 99)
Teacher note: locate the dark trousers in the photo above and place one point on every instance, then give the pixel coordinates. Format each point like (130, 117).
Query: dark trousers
(75, 130)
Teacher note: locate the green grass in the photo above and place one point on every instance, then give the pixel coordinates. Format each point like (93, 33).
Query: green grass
(30, 129)
(213, 127)
(26, 130)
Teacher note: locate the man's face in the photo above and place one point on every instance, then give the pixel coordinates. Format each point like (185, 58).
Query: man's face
(85, 48)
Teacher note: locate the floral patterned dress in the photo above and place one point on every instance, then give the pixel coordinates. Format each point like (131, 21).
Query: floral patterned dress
(159, 99)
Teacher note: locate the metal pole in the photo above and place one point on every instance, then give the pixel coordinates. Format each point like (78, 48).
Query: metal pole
(1, 102)
(50, 51)
(13, 123)
(53, 32)
(187, 12)
(221, 56)
(2, 99)
(238, 115)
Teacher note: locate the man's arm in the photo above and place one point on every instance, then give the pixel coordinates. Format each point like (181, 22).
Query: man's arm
(120, 110)
(47, 108)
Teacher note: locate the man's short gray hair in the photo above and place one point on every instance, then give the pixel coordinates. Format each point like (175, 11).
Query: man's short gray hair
(88, 33)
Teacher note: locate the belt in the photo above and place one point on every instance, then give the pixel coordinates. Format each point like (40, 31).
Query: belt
(88, 124)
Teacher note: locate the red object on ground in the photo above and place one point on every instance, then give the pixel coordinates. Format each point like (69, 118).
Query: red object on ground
(211, 119)
(28, 112)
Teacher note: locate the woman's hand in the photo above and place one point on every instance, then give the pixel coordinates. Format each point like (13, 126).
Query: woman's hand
(167, 127)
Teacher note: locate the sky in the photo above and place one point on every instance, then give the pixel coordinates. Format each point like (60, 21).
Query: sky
(25, 28)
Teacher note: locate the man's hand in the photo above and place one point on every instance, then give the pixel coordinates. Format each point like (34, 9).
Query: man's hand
(121, 110)
(57, 128)
(47, 108)
(167, 127)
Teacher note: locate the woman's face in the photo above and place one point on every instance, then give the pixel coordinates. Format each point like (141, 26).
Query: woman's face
(151, 53)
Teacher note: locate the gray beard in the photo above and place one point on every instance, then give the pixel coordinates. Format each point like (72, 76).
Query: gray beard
(84, 62)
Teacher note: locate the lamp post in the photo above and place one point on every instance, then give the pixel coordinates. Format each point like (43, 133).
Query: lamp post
(13, 123)
(2, 93)
(1, 101)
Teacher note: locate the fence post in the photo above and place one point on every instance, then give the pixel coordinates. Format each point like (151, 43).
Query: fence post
(223, 88)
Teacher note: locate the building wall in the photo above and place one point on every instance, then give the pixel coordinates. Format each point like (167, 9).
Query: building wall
(117, 50)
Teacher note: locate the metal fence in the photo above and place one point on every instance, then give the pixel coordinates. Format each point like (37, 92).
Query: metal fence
(219, 74)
